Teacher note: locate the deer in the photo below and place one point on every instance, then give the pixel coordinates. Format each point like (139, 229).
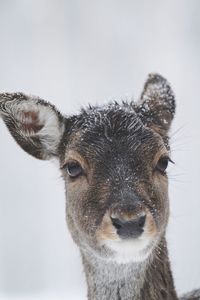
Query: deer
(113, 159)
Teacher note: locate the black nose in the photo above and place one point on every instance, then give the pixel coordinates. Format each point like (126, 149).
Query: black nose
(131, 228)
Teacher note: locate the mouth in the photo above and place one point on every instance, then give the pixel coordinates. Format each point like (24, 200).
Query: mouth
(128, 241)
(130, 250)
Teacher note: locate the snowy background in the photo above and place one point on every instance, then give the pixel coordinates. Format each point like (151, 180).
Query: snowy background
(71, 53)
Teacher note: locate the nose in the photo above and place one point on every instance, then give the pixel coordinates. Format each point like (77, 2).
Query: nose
(131, 228)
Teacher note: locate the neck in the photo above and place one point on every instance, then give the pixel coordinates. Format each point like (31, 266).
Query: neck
(149, 280)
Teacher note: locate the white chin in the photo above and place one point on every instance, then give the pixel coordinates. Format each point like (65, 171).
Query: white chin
(130, 250)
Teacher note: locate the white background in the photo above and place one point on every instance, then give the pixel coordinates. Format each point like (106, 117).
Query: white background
(75, 52)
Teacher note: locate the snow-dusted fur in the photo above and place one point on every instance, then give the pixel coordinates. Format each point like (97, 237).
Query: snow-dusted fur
(113, 159)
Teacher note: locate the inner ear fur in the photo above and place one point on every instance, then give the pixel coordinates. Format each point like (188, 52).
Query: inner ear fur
(156, 106)
(36, 125)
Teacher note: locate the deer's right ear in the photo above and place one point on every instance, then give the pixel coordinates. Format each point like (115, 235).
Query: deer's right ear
(36, 125)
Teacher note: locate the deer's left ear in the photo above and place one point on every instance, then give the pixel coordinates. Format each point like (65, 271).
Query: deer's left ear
(35, 124)
(156, 107)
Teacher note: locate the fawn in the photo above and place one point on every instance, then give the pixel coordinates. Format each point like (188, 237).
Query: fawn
(113, 159)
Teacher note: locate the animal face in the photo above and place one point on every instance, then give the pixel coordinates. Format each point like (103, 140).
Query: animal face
(113, 160)
(116, 185)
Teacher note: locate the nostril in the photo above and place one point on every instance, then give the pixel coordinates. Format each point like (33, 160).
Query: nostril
(141, 221)
(116, 223)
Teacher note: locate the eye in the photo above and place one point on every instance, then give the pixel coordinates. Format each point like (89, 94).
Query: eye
(162, 164)
(74, 169)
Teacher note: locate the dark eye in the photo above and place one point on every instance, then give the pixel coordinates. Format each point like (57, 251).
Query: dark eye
(162, 164)
(74, 169)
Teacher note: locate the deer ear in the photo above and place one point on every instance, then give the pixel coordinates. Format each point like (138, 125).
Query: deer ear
(157, 104)
(36, 125)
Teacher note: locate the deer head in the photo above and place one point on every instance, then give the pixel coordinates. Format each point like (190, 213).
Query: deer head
(113, 160)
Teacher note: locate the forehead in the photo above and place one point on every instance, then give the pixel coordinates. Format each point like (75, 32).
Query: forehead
(114, 129)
